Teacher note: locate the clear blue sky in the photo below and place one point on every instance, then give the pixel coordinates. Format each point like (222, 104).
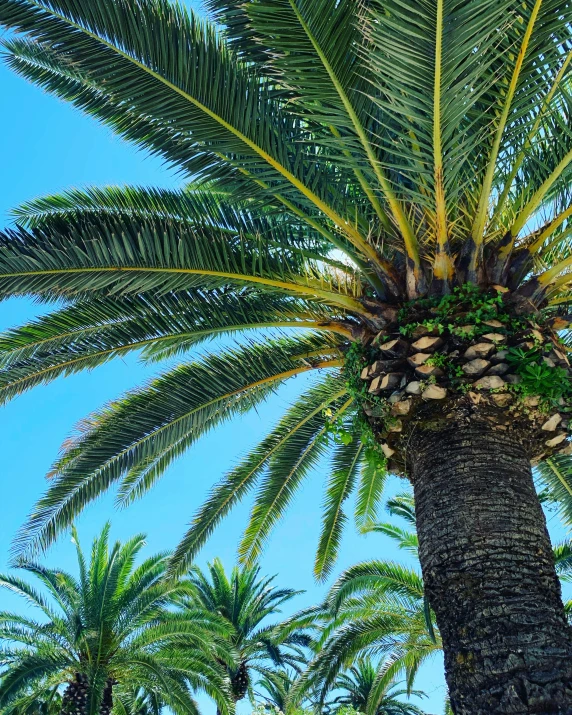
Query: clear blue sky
(47, 146)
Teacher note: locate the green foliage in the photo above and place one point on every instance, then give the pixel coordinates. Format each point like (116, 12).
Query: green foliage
(112, 623)
(537, 378)
(356, 358)
(323, 136)
(244, 602)
(474, 305)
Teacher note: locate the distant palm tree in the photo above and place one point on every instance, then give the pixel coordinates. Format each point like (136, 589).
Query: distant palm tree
(376, 608)
(111, 627)
(245, 603)
(358, 686)
(273, 690)
(388, 181)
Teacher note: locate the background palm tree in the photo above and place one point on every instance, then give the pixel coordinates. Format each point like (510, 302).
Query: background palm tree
(352, 164)
(245, 602)
(273, 690)
(358, 687)
(375, 610)
(110, 628)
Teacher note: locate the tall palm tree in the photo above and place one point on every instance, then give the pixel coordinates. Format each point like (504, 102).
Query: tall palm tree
(357, 686)
(244, 602)
(109, 628)
(389, 182)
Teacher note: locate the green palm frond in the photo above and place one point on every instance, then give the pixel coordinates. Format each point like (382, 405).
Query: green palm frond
(403, 505)
(286, 468)
(406, 540)
(383, 577)
(87, 334)
(344, 470)
(556, 474)
(116, 255)
(304, 415)
(162, 419)
(115, 623)
(370, 491)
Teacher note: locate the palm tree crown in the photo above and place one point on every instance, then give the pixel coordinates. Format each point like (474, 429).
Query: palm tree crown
(244, 601)
(343, 158)
(108, 628)
(358, 685)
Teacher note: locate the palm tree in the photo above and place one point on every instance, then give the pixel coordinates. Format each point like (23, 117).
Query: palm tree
(375, 609)
(110, 628)
(357, 686)
(273, 689)
(244, 602)
(389, 182)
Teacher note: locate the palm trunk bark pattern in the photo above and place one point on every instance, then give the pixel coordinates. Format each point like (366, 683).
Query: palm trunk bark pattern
(489, 572)
(74, 701)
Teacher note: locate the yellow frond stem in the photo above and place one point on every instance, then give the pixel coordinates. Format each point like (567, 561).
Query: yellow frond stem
(374, 201)
(549, 230)
(410, 240)
(483, 206)
(440, 203)
(527, 144)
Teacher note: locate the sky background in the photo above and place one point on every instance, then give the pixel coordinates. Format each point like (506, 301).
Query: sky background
(47, 146)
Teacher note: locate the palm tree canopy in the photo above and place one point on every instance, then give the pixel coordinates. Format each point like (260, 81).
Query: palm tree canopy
(357, 685)
(342, 157)
(110, 623)
(245, 602)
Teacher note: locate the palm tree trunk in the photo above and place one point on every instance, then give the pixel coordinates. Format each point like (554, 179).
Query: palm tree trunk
(107, 700)
(74, 701)
(489, 572)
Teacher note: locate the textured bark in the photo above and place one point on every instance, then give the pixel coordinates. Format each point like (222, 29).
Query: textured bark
(107, 700)
(74, 701)
(489, 572)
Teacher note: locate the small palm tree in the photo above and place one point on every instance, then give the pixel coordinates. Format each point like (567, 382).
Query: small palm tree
(108, 628)
(273, 690)
(244, 602)
(358, 686)
(388, 181)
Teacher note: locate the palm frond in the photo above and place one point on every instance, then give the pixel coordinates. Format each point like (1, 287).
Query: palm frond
(344, 469)
(243, 478)
(126, 255)
(182, 404)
